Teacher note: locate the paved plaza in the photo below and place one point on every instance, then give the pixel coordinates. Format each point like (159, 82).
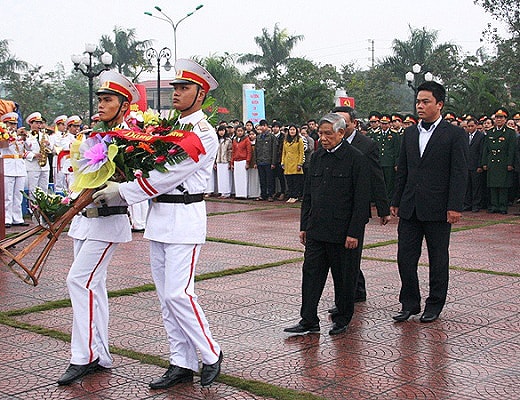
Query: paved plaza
(249, 277)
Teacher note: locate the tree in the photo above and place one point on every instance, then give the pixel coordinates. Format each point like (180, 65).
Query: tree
(507, 62)
(230, 79)
(305, 91)
(276, 50)
(9, 65)
(127, 52)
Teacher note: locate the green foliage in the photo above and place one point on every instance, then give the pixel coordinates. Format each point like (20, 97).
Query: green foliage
(127, 52)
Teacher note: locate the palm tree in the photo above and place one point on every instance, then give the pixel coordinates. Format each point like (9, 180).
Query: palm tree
(127, 52)
(420, 48)
(276, 50)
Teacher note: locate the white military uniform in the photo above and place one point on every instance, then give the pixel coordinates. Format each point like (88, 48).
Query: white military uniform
(176, 232)
(63, 177)
(15, 174)
(36, 175)
(95, 241)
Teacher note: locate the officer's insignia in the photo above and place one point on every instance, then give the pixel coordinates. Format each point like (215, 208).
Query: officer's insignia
(203, 125)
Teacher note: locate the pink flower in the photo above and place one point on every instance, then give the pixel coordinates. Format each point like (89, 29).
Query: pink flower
(96, 153)
(173, 151)
(138, 173)
(160, 159)
(65, 201)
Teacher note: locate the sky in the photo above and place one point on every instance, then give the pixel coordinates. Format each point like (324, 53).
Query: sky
(335, 31)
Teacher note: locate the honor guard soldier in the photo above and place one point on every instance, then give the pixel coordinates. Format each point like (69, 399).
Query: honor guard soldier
(388, 143)
(12, 151)
(373, 124)
(64, 173)
(176, 228)
(96, 233)
(37, 147)
(498, 156)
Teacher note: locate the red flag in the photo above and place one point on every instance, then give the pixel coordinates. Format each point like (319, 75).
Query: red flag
(347, 101)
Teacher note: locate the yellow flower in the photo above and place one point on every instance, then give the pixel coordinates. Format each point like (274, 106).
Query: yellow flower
(150, 117)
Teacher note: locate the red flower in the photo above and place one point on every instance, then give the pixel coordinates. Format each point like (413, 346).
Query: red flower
(160, 159)
(173, 151)
(129, 149)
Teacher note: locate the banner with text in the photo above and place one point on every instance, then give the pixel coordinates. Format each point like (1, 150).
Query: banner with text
(255, 106)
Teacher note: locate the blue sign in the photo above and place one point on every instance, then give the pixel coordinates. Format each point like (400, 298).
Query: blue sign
(255, 105)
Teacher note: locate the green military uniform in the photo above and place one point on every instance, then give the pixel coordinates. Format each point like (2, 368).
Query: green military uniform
(497, 154)
(388, 143)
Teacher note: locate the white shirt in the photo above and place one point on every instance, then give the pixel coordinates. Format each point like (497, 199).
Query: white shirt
(425, 135)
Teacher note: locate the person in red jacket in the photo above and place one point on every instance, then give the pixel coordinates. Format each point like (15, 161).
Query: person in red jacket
(240, 161)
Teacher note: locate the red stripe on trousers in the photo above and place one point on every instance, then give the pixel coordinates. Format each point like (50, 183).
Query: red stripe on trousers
(91, 304)
(196, 312)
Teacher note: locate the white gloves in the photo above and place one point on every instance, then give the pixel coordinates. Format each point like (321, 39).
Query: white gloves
(107, 195)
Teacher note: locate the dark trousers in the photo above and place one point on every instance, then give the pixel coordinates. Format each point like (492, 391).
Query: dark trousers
(294, 185)
(498, 201)
(319, 257)
(473, 197)
(279, 175)
(389, 175)
(410, 236)
(265, 176)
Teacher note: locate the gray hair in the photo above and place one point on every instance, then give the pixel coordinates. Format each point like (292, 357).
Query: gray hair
(336, 120)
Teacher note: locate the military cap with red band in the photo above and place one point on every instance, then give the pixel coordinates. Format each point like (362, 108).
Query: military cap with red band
(9, 117)
(113, 82)
(188, 71)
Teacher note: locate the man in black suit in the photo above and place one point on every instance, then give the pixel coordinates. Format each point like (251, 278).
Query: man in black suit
(474, 190)
(429, 197)
(377, 184)
(333, 216)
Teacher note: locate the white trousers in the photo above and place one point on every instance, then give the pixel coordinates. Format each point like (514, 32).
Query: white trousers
(173, 272)
(253, 183)
(38, 178)
(87, 289)
(13, 187)
(138, 214)
(240, 178)
(224, 179)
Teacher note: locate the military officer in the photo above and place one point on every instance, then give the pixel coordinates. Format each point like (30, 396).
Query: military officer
(374, 125)
(12, 151)
(409, 120)
(388, 143)
(498, 155)
(176, 228)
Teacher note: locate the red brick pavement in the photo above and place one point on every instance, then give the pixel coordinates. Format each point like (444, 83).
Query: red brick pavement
(471, 352)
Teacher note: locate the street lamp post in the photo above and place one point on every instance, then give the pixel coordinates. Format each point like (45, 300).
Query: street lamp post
(411, 79)
(173, 24)
(166, 54)
(86, 62)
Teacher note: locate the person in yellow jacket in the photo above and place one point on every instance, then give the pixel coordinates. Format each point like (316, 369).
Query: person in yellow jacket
(292, 163)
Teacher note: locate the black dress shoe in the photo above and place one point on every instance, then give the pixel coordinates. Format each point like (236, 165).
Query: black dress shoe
(21, 224)
(7, 225)
(429, 316)
(405, 314)
(210, 372)
(74, 372)
(337, 329)
(171, 377)
(299, 328)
